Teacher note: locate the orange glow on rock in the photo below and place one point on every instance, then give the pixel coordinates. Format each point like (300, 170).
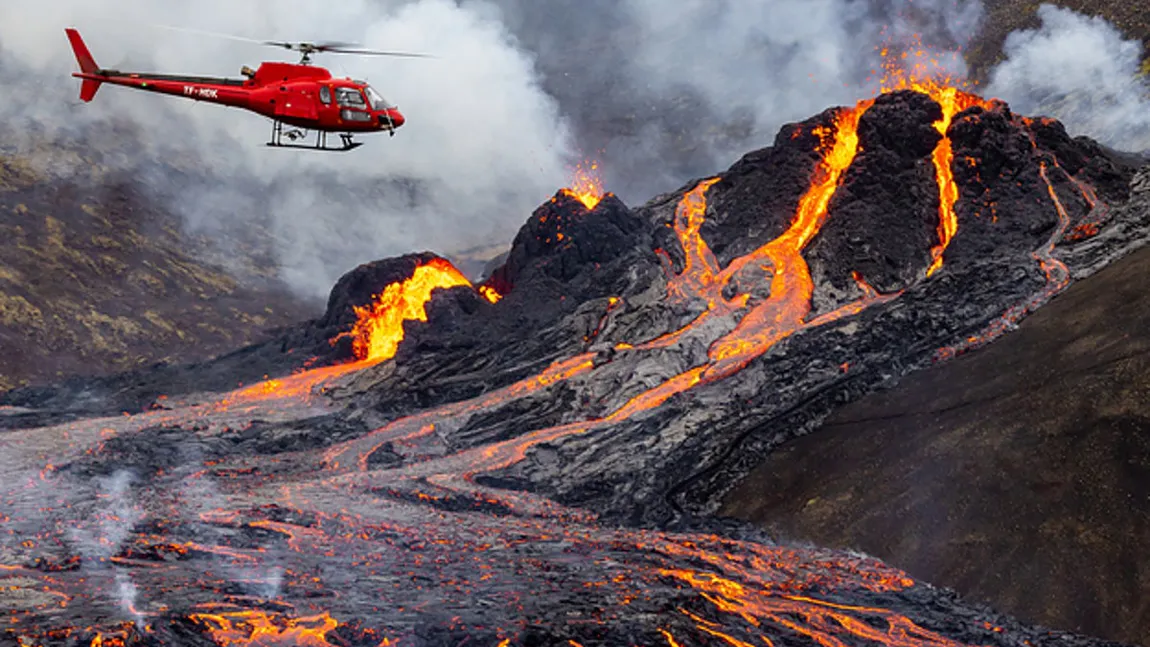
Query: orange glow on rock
(489, 293)
(791, 283)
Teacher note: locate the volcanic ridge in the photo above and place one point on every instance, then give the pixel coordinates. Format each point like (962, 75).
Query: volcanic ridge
(537, 459)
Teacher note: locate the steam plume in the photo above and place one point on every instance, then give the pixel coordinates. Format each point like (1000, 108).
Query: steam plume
(1081, 71)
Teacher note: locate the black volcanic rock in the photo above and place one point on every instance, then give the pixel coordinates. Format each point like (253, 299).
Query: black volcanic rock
(997, 168)
(1017, 475)
(759, 194)
(565, 266)
(883, 220)
(990, 269)
(562, 238)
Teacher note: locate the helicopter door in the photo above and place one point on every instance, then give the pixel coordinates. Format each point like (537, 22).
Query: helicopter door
(297, 103)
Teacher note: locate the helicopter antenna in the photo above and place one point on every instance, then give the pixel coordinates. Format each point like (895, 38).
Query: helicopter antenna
(306, 49)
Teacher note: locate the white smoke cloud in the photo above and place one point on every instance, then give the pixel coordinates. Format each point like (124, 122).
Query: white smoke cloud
(1079, 70)
(481, 137)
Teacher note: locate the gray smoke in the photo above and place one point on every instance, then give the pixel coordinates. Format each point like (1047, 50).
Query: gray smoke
(127, 592)
(1081, 71)
(199, 494)
(102, 534)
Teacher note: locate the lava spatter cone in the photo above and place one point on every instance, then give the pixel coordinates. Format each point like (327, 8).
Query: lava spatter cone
(564, 236)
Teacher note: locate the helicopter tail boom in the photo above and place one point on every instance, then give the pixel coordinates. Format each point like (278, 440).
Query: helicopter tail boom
(87, 66)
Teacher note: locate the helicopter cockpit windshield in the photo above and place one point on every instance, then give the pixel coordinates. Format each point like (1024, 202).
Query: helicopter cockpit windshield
(377, 101)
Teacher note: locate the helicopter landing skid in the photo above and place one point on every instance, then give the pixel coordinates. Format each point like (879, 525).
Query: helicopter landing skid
(293, 135)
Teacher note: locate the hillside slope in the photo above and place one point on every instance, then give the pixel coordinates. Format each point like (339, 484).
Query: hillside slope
(95, 278)
(1018, 475)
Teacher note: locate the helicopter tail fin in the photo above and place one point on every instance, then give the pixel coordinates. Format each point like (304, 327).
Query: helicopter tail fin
(88, 89)
(87, 65)
(83, 56)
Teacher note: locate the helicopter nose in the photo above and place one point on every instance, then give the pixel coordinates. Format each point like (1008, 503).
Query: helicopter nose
(393, 118)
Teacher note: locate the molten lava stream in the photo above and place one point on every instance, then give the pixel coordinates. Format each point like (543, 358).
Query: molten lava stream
(773, 586)
(777, 317)
(922, 74)
(953, 101)
(824, 623)
(260, 629)
(1057, 274)
(789, 304)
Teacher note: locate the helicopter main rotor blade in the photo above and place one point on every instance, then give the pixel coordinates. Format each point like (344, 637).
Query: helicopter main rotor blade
(371, 52)
(336, 47)
(332, 45)
(213, 34)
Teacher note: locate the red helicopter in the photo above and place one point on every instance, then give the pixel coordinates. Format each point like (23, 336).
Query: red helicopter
(299, 96)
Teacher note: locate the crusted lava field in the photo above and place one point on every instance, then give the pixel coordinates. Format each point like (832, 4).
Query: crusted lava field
(536, 460)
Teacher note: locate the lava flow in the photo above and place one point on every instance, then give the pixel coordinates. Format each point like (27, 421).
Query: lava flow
(379, 327)
(259, 629)
(777, 317)
(1056, 273)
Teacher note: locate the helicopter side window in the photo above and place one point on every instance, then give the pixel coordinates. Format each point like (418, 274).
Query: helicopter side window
(350, 97)
(325, 95)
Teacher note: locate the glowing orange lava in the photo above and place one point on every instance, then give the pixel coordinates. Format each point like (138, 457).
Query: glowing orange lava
(791, 283)
(586, 187)
(489, 293)
(379, 329)
(259, 629)
(763, 586)
(1056, 272)
(775, 318)
(821, 622)
(918, 72)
